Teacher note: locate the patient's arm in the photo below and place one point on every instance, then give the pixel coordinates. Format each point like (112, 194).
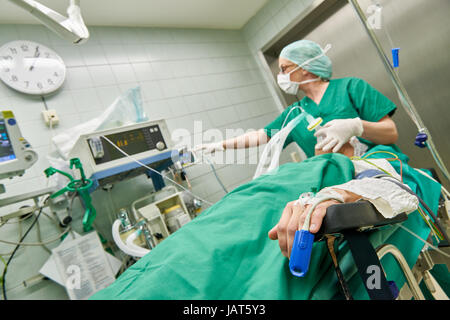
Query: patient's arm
(386, 196)
(294, 215)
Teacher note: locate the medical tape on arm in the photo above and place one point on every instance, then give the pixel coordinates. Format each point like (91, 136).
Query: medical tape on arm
(388, 198)
(323, 195)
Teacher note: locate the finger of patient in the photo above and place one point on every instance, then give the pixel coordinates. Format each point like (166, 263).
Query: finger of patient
(301, 221)
(293, 225)
(273, 233)
(319, 214)
(286, 215)
(317, 218)
(282, 227)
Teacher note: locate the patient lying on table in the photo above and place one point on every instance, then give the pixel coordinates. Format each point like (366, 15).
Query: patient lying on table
(225, 252)
(387, 197)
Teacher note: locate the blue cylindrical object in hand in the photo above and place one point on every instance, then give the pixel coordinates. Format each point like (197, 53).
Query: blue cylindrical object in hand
(301, 253)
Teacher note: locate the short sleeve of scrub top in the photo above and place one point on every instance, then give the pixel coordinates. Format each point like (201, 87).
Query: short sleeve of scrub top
(276, 125)
(343, 99)
(371, 104)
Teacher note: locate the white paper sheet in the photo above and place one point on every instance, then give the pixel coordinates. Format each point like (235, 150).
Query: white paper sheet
(83, 255)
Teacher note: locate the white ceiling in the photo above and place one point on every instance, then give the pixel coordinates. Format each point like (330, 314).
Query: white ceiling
(214, 14)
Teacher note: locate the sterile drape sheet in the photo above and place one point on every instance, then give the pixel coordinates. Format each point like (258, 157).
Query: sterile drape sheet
(225, 252)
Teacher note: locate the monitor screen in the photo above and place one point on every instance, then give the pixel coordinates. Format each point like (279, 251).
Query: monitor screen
(131, 142)
(6, 149)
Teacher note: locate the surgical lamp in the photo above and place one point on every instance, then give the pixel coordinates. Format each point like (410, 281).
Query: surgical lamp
(71, 28)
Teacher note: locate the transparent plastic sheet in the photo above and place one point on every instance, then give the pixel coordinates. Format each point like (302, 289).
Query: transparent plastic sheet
(125, 110)
(270, 158)
(59, 181)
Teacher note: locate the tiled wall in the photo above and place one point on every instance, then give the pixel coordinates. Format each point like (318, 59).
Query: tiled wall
(271, 19)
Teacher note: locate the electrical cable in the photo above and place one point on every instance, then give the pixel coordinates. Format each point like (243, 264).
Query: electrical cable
(215, 174)
(4, 263)
(437, 225)
(20, 229)
(15, 250)
(52, 134)
(213, 169)
(396, 158)
(424, 241)
(445, 191)
(431, 225)
(38, 226)
(19, 219)
(38, 244)
(218, 179)
(51, 218)
(436, 219)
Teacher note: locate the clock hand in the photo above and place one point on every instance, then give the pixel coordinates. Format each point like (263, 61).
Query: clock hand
(36, 54)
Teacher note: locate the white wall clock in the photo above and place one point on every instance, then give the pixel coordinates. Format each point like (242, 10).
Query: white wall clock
(31, 68)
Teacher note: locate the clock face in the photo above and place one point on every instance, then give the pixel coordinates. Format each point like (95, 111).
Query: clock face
(31, 68)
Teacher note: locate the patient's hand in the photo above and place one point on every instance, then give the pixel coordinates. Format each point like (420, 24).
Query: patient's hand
(294, 215)
(292, 219)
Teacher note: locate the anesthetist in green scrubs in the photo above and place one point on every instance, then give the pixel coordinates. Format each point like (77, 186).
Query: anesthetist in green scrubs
(349, 107)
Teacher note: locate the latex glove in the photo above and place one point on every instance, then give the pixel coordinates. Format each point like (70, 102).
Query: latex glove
(208, 148)
(338, 132)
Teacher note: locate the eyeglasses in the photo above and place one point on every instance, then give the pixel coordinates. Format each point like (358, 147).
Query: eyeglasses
(284, 68)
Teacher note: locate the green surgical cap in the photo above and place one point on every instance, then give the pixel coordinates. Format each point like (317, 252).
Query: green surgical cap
(301, 51)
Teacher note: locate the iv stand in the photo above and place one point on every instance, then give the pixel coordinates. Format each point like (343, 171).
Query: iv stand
(403, 95)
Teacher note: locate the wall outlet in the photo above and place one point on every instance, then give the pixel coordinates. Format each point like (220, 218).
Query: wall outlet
(50, 117)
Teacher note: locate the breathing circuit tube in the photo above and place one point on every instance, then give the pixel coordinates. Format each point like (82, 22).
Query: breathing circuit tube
(128, 249)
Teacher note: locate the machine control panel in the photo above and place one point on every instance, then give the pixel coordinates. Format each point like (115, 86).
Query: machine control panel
(131, 142)
(113, 154)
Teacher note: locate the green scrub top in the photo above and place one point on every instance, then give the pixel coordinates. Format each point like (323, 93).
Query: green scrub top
(343, 99)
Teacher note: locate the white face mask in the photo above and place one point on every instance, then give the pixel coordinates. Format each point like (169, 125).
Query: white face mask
(291, 87)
